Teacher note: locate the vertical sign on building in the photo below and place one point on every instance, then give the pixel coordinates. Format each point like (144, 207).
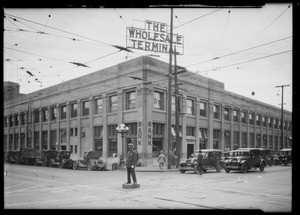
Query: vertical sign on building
(149, 136)
(29, 122)
(139, 133)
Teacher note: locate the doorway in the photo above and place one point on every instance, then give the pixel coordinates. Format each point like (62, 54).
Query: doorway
(190, 150)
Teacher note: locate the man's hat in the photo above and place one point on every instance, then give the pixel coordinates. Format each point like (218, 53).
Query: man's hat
(130, 144)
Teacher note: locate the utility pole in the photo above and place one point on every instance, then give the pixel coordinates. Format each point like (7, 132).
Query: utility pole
(169, 112)
(177, 140)
(282, 136)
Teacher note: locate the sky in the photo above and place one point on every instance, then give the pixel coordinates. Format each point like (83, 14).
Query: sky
(248, 49)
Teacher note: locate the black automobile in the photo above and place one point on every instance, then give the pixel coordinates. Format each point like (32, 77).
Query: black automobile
(62, 159)
(91, 160)
(284, 157)
(267, 154)
(10, 156)
(244, 159)
(49, 157)
(212, 159)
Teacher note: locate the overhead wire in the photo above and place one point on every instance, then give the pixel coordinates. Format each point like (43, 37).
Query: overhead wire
(269, 25)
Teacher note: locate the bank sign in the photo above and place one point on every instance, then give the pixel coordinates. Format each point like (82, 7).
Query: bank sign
(155, 37)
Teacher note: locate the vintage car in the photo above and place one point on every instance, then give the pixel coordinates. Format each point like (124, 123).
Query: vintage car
(267, 154)
(284, 157)
(244, 159)
(211, 160)
(49, 156)
(10, 156)
(62, 160)
(91, 160)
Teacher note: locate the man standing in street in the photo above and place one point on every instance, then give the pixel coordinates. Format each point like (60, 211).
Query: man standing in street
(161, 160)
(131, 160)
(200, 163)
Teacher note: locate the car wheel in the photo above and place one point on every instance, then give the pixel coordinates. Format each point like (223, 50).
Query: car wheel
(75, 165)
(262, 166)
(182, 171)
(35, 163)
(286, 162)
(244, 167)
(219, 167)
(227, 170)
(61, 165)
(89, 166)
(271, 163)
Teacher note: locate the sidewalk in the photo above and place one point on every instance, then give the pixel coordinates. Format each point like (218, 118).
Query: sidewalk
(155, 169)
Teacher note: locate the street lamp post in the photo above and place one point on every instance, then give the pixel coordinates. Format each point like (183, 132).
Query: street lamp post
(122, 129)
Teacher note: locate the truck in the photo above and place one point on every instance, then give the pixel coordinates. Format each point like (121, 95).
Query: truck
(29, 156)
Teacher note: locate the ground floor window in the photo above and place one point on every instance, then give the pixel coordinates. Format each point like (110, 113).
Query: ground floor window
(53, 139)
(44, 139)
(157, 145)
(112, 146)
(216, 139)
(16, 145)
(244, 140)
(258, 141)
(36, 140)
(98, 145)
(251, 140)
(227, 145)
(236, 137)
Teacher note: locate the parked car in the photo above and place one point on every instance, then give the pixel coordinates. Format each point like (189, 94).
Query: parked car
(91, 160)
(211, 160)
(267, 154)
(10, 156)
(28, 156)
(244, 159)
(284, 157)
(49, 157)
(62, 160)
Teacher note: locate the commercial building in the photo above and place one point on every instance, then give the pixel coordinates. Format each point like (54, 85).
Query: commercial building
(82, 114)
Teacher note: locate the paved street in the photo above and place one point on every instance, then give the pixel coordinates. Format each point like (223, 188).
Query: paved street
(30, 187)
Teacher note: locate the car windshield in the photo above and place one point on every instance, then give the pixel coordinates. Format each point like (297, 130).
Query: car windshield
(64, 153)
(241, 153)
(284, 153)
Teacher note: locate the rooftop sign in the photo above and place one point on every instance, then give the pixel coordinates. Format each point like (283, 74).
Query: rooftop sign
(154, 37)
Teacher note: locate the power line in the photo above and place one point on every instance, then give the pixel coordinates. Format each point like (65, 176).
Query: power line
(196, 18)
(270, 24)
(215, 58)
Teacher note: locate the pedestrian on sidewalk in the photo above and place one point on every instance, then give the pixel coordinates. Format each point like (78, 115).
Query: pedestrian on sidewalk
(116, 161)
(200, 163)
(130, 162)
(161, 160)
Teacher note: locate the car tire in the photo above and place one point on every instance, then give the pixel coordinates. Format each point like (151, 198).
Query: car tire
(35, 163)
(89, 166)
(44, 163)
(286, 162)
(182, 171)
(61, 165)
(75, 165)
(219, 167)
(262, 166)
(227, 170)
(244, 167)
(196, 169)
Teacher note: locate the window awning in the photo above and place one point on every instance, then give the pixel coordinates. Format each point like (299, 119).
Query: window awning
(174, 133)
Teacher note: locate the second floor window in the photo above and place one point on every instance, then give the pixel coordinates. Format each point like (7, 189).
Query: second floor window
(190, 106)
(159, 100)
(203, 109)
(257, 118)
(130, 100)
(36, 116)
(63, 112)
(73, 110)
(113, 103)
(44, 115)
(235, 114)
(251, 118)
(216, 111)
(53, 113)
(98, 105)
(244, 114)
(226, 114)
(85, 108)
(270, 122)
